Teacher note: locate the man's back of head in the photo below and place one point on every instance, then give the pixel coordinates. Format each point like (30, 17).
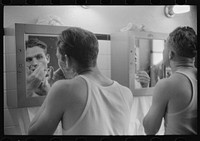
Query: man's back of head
(183, 42)
(79, 44)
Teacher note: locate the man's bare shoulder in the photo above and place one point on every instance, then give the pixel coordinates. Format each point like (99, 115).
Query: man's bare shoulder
(170, 86)
(68, 85)
(74, 88)
(162, 86)
(177, 80)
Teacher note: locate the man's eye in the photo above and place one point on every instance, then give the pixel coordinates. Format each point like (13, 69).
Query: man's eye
(39, 57)
(28, 59)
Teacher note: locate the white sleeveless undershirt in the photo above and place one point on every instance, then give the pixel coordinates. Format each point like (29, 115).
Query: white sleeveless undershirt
(185, 121)
(107, 111)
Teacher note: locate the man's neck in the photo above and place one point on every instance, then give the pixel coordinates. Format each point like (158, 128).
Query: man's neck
(89, 70)
(181, 63)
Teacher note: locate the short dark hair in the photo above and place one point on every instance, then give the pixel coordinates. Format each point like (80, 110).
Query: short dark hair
(79, 44)
(183, 40)
(36, 42)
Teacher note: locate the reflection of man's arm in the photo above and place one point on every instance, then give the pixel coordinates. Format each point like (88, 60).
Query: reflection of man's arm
(39, 82)
(34, 79)
(43, 89)
(143, 78)
(154, 75)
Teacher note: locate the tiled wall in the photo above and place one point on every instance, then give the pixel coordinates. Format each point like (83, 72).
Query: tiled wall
(16, 119)
(11, 124)
(104, 58)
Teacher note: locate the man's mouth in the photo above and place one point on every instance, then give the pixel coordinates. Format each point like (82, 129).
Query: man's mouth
(33, 67)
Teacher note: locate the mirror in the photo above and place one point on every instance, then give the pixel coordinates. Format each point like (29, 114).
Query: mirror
(148, 58)
(48, 35)
(40, 50)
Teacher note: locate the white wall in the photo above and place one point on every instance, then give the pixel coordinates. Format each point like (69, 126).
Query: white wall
(102, 19)
(97, 19)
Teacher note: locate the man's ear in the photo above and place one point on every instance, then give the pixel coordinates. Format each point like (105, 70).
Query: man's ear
(66, 60)
(171, 55)
(48, 58)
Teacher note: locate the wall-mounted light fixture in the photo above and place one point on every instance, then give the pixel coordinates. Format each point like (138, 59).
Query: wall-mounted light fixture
(85, 6)
(172, 10)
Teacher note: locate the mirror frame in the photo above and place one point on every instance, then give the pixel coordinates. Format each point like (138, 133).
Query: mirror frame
(20, 31)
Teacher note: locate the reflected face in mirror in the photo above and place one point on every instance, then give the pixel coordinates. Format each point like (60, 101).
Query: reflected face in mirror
(142, 63)
(142, 79)
(136, 59)
(36, 68)
(151, 58)
(166, 54)
(35, 56)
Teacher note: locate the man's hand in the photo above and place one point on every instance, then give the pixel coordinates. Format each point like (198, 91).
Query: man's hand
(58, 75)
(50, 76)
(34, 78)
(55, 76)
(143, 78)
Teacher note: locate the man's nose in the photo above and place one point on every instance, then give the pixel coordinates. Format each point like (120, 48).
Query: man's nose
(34, 61)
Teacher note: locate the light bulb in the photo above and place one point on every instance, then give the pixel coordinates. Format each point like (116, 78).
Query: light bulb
(177, 9)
